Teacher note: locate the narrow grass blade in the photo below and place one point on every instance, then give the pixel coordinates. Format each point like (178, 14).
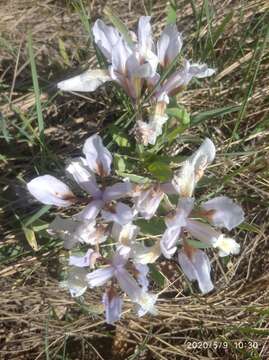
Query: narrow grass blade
(36, 88)
(116, 21)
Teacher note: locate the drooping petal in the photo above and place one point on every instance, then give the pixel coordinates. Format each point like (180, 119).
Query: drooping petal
(203, 232)
(90, 211)
(141, 275)
(88, 81)
(100, 276)
(120, 257)
(51, 191)
(98, 157)
(77, 168)
(148, 201)
(128, 284)
(169, 240)
(113, 306)
(76, 282)
(201, 70)
(226, 246)
(106, 37)
(196, 266)
(88, 259)
(223, 212)
(120, 213)
(117, 191)
(169, 45)
(168, 188)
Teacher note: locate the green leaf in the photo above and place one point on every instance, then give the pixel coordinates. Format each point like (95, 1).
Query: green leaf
(180, 113)
(160, 170)
(119, 164)
(121, 140)
(37, 215)
(171, 13)
(154, 226)
(156, 276)
(30, 237)
(198, 244)
(137, 179)
(171, 136)
(115, 20)
(205, 115)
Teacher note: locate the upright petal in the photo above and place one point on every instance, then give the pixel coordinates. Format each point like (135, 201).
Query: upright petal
(77, 168)
(113, 306)
(125, 234)
(196, 266)
(76, 282)
(184, 180)
(119, 213)
(169, 45)
(106, 37)
(223, 212)
(144, 33)
(100, 276)
(98, 157)
(141, 275)
(146, 254)
(51, 191)
(203, 232)
(120, 55)
(117, 191)
(90, 211)
(88, 81)
(120, 257)
(86, 260)
(148, 201)
(169, 241)
(178, 218)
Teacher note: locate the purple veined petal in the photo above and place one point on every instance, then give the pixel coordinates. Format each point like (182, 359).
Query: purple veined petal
(106, 37)
(88, 81)
(120, 213)
(100, 276)
(125, 234)
(178, 218)
(203, 232)
(98, 157)
(169, 45)
(146, 254)
(169, 241)
(86, 260)
(141, 276)
(196, 266)
(76, 282)
(200, 70)
(223, 212)
(77, 168)
(51, 191)
(117, 191)
(128, 284)
(113, 306)
(146, 304)
(90, 211)
(226, 246)
(148, 201)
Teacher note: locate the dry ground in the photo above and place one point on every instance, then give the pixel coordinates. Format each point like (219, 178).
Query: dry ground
(38, 320)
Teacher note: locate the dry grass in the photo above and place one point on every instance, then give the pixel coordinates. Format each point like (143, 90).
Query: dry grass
(38, 319)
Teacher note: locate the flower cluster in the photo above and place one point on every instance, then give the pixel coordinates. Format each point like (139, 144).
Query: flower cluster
(137, 63)
(115, 255)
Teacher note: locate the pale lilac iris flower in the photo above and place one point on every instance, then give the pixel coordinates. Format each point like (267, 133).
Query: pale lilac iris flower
(51, 191)
(117, 270)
